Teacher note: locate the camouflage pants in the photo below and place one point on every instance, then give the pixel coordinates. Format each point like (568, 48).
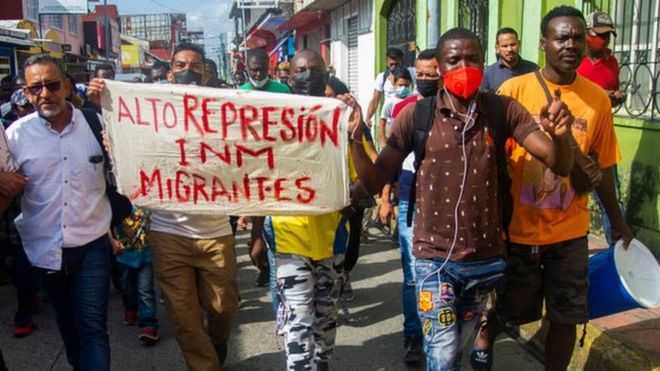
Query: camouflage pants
(309, 293)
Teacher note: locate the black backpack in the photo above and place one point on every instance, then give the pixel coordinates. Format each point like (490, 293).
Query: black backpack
(120, 204)
(423, 119)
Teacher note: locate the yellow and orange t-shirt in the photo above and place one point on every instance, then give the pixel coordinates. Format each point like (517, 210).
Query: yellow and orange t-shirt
(546, 209)
(317, 237)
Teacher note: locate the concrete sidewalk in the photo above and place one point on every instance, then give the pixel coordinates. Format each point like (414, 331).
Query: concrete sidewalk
(627, 341)
(373, 342)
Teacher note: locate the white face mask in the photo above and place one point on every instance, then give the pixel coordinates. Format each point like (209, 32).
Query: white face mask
(259, 84)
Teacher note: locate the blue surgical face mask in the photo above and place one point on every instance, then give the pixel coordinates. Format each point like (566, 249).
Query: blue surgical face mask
(402, 91)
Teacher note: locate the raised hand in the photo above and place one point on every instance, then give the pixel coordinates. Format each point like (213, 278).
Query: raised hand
(556, 118)
(94, 90)
(355, 118)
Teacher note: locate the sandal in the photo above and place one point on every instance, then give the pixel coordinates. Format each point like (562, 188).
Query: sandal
(482, 359)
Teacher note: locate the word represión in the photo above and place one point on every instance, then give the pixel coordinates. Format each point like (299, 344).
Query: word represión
(217, 117)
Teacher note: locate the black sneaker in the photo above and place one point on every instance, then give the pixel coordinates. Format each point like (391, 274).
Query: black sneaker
(414, 354)
(347, 294)
(263, 279)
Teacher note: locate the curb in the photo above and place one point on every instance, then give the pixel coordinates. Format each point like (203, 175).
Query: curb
(600, 351)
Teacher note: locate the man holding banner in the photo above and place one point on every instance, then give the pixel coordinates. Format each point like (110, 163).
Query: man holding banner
(309, 255)
(66, 214)
(193, 254)
(193, 155)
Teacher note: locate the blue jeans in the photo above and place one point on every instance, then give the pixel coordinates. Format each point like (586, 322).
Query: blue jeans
(79, 294)
(137, 293)
(604, 219)
(450, 305)
(412, 327)
(269, 237)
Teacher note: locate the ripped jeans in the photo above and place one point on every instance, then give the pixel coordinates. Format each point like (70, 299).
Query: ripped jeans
(450, 304)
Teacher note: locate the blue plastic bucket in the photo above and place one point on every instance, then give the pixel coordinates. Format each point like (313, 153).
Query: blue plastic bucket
(620, 280)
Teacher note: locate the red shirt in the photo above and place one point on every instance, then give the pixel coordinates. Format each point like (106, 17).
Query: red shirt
(604, 72)
(401, 105)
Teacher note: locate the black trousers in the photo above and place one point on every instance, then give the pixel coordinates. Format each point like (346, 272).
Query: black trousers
(3, 367)
(353, 250)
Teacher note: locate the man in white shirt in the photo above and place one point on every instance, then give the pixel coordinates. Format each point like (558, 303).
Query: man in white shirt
(66, 214)
(193, 256)
(384, 82)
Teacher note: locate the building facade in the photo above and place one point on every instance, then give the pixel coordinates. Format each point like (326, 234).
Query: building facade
(637, 121)
(163, 31)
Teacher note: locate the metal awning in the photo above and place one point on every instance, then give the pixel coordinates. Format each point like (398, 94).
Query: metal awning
(13, 40)
(300, 19)
(12, 35)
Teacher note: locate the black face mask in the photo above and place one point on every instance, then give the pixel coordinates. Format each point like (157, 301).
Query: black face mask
(310, 82)
(427, 88)
(188, 77)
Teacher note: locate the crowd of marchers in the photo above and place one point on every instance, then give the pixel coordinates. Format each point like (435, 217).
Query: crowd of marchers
(487, 170)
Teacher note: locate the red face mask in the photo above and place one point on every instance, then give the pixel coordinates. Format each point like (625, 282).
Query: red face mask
(463, 82)
(597, 43)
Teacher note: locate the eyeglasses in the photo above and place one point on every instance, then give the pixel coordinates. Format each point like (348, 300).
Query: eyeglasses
(52, 87)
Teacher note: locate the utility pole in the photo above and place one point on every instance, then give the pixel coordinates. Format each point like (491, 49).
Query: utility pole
(106, 29)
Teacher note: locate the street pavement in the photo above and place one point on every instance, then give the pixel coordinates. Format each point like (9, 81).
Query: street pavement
(371, 341)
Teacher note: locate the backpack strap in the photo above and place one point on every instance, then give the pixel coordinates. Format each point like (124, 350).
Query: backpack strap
(92, 118)
(386, 74)
(423, 119)
(548, 96)
(501, 132)
(97, 129)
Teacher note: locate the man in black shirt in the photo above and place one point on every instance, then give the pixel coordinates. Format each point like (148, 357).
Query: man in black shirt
(509, 62)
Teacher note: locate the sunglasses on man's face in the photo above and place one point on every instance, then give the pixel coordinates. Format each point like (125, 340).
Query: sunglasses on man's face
(52, 87)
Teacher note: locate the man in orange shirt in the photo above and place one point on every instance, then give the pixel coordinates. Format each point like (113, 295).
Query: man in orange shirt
(548, 248)
(458, 220)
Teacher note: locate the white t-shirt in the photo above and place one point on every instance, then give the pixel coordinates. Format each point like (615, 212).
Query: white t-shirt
(386, 113)
(387, 88)
(191, 226)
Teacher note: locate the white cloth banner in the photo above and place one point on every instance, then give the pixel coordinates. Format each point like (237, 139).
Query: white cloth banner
(198, 150)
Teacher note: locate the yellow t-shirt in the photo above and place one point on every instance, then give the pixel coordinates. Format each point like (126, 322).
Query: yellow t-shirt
(546, 209)
(316, 237)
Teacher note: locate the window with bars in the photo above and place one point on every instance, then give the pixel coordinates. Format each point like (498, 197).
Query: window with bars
(637, 48)
(56, 21)
(353, 76)
(32, 10)
(473, 15)
(73, 24)
(401, 29)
